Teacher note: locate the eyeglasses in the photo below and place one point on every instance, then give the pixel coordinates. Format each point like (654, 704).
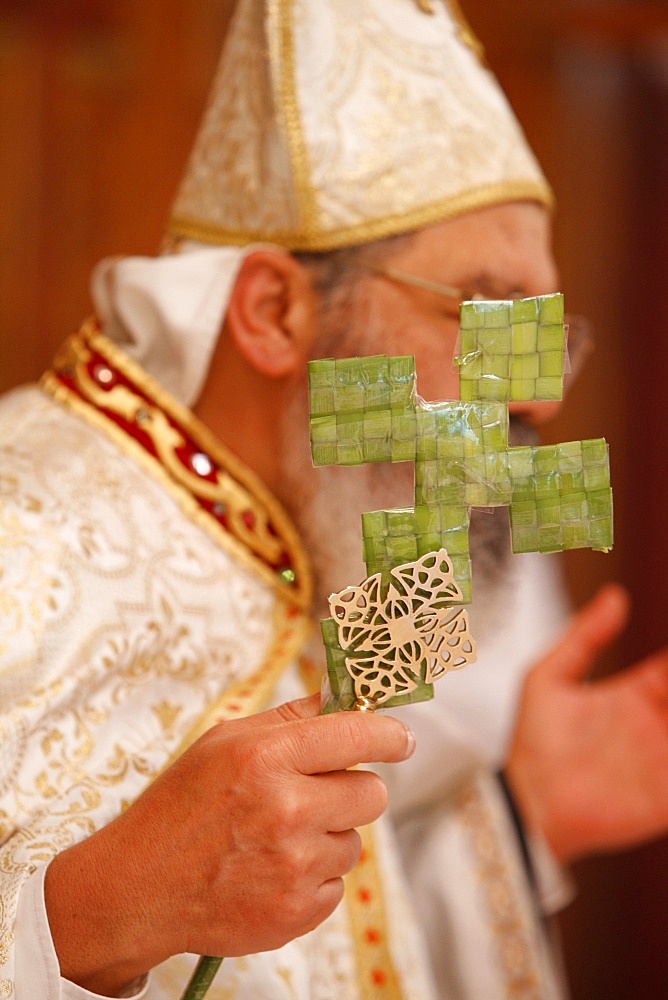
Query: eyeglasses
(578, 331)
(447, 291)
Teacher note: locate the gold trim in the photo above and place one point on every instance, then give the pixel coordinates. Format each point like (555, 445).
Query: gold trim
(186, 501)
(365, 903)
(243, 478)
(288, 106)
(465, 31)
(366, 914)
(507, 927)
(365, 232)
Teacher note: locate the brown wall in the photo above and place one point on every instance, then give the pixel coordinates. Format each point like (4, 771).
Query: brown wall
(99, 100)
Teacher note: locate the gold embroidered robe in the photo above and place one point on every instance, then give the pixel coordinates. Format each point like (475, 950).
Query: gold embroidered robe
(142, 597)
(137, 604)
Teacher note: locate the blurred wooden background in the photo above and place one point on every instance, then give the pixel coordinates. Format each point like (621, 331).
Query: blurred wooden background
(99, 101)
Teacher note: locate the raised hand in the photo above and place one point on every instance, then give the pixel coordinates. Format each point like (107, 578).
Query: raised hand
(238, 847)
(588, 764)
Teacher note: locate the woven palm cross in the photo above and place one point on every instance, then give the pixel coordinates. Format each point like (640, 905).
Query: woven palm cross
(368, 410)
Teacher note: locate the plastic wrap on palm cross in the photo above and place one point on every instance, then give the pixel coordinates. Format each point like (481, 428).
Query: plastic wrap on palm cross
(403, 627)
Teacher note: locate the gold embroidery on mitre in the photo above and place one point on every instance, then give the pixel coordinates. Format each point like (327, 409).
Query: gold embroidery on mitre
(465, 31)
(288, 108)
(96, 379)
(300, 163)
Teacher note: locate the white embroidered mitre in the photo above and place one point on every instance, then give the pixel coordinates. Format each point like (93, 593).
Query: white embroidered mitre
(334, 122)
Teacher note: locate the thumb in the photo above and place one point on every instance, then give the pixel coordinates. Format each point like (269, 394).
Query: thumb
(295, 736)
(313, 743)
(589, 632)
(301, 708)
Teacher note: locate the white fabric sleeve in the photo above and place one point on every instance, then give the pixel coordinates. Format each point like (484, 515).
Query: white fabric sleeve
(37, 968)
(551, 883)
(555, 885)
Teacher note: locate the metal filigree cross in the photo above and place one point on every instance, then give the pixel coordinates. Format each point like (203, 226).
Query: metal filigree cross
(407, 633)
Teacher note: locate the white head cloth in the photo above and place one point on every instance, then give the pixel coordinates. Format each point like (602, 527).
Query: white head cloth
(166, 312)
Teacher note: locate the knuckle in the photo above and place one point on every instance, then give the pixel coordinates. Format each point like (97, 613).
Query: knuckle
(304, 740)
(305, 911)
(302, 708)
(355, 730)
(298, 908)
(290, 814)
(374, 738)
(258, 756)
(294, 867)
(295, 909)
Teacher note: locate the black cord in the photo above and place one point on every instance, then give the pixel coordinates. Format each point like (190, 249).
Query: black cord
(519, 830)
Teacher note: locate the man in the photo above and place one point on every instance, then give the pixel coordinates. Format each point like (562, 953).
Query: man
(155, 586)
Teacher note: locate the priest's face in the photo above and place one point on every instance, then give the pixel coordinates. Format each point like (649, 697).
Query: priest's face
(501, 252)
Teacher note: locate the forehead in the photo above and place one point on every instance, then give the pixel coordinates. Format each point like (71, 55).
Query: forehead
(498, 250)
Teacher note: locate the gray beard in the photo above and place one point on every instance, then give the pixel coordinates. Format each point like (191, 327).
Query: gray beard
(491, 551)
(326, 505)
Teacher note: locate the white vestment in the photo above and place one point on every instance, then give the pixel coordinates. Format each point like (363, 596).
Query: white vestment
(128, 620)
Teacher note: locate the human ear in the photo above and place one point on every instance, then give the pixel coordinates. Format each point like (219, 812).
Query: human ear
(271, 314)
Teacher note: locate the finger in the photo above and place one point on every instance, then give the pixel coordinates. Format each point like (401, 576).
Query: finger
(651, 675)
(348, 799)
(590, 631)
(343, 851)
(338, 741)
(328, 897)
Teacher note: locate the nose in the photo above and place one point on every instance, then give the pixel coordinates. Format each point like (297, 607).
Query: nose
(535, 412)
